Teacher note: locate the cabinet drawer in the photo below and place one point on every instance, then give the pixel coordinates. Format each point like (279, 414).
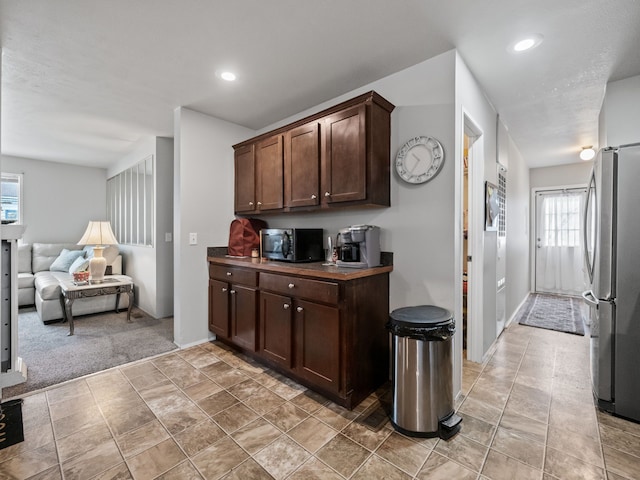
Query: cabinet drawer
(234, 275)
(326, 292)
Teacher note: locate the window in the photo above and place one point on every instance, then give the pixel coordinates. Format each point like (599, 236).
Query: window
(561, 217)
(130, 204)
(11, 193)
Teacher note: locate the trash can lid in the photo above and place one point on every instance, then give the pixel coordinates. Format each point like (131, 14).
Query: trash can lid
(425, 316)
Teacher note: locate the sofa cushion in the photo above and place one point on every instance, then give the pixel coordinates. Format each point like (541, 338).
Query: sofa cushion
(26, 280)
(65, 259)
(48, 285)
(80, 264)
(44, 254)
(24, 258)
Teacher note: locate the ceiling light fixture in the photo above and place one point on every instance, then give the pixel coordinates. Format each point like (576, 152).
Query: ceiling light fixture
(526, 44)
(587, 153)
(228, 76)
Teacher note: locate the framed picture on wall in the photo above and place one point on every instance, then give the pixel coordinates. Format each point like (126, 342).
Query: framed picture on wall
(491, 207)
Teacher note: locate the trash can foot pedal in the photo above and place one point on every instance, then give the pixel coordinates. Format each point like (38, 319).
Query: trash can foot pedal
(450, 426)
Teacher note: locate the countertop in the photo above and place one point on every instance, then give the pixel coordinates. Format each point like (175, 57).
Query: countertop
(315, 269)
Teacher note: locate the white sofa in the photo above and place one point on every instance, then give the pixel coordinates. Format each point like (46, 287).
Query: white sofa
(39, 286)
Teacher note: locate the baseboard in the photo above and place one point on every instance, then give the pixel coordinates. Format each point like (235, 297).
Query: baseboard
(517, 310)
(197, 342)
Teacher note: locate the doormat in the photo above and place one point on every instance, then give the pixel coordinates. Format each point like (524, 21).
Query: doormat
(11, 431)
(553, 312)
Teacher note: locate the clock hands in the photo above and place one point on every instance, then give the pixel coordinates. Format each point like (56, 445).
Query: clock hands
(415, 164)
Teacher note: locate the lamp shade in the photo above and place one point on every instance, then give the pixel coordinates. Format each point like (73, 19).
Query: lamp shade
(98, 233)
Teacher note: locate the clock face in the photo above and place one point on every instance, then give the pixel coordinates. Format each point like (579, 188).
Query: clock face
(419, 160)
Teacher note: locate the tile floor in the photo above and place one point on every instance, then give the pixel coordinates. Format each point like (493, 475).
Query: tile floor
(205, 412)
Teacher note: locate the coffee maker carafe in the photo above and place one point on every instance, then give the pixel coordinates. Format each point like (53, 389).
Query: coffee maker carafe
(359, 246)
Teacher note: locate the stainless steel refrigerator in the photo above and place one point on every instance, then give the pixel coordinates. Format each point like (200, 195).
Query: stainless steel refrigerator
(612, 255)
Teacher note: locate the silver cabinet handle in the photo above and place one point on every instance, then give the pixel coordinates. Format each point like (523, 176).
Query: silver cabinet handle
(291, 285)
(229, 274)
(286, 306)
(299, 309)
(224, 289)
(251, 204)
(232, 292)
(327, 194)
(314, 196)
(259, 203)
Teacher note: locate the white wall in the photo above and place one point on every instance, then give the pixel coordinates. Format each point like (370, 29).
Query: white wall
(164, 225)
(561, 175)
(472, 102)
(152, 267)
(620, 113)
(59, 199)
(203, 204)
(518, 209)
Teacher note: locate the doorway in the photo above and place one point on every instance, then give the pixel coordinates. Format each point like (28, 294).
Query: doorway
(559, 250)
(472, 218)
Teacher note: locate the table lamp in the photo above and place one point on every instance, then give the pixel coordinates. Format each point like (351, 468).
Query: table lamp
(98, 234)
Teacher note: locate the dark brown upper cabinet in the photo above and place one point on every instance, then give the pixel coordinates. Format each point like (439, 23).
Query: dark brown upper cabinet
(259, 176)
(336, 158)
(302, 166)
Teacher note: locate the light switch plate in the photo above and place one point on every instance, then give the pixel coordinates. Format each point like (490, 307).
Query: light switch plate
(168, 237)
(193, 239)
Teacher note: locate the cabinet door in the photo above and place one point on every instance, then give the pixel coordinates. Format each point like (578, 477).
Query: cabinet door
(318, 344)
(302, 166)
(275, 328)
(245, 178)
(219, 308)
(243, 316)
(269, 181)
(344, 166)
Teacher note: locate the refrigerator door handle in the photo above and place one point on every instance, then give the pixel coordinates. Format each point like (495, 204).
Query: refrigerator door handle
(590, 299)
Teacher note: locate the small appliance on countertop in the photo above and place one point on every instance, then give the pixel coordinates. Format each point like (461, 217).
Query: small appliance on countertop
(359, 246)
(292, 244)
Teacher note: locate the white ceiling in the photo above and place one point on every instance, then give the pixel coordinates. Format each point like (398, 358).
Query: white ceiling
(83, 80)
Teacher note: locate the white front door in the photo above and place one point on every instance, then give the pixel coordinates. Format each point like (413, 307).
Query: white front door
(559, 254)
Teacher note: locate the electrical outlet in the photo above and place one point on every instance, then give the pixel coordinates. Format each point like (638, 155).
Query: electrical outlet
(168, 237)
(193, 239)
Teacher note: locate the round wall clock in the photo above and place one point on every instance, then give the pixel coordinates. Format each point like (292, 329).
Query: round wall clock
(419, 160)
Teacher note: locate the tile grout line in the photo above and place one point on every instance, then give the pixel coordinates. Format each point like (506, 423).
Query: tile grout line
(495, 432)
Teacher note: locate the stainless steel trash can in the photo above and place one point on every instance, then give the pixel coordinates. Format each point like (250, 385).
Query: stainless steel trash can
(422, 371)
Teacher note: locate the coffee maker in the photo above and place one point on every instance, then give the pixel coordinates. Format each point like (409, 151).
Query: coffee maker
(359, 246)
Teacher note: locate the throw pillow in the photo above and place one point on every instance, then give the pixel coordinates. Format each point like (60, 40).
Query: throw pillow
(65, 259)
(80, 264)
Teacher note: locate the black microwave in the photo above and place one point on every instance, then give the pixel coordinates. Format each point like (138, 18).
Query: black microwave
(292, 244)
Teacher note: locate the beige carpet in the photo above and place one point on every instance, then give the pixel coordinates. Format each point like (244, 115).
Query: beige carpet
(101, 341)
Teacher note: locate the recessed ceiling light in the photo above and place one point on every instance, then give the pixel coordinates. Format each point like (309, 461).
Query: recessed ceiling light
(527, 43)
(228, 76)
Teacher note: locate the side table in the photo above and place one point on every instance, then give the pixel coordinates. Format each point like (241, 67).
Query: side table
(111, 285)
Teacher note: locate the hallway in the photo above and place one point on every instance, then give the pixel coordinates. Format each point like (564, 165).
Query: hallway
(206, 412)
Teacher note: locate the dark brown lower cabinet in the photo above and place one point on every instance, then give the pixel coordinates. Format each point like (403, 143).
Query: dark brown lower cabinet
(317, 341)
(275, 329)
(327, 334)
(243, 316)
(219, 308)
